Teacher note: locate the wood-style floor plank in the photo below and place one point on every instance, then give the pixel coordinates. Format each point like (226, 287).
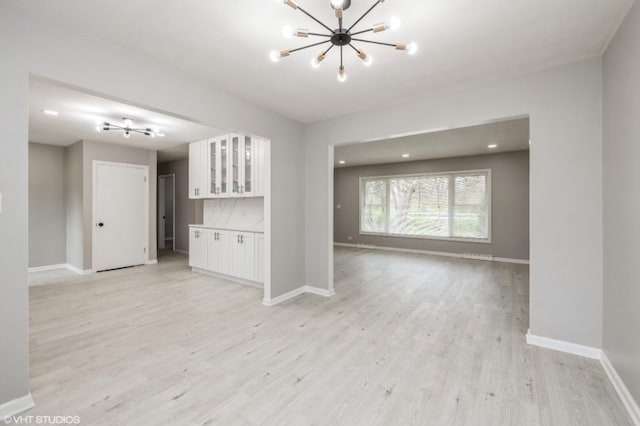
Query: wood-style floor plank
(407, 340)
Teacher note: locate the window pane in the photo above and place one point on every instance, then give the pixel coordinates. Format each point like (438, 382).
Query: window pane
(419, 206)
(374, 209)
(470, 216)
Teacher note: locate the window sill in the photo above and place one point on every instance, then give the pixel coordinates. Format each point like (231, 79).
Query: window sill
(420, 237)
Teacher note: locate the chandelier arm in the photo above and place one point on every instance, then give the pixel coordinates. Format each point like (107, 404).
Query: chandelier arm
(327, 51)
(341, 57)
(365, 14)
(315, 19)
(374, 42)
(354, 48)
(320, 35)
(311, 45)
(362, 32)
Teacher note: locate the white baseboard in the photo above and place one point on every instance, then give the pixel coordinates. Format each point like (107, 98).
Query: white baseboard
(623, 392)
(16, 406)
(297, 292)
(152, 262)
(562, 346)
(60, 266)
(78, 270)
(319, 291)
(47, 267)
(284, 297)
(488, 258)
(229, 278)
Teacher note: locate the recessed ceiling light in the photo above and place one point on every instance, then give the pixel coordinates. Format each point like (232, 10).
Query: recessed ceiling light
(341, 162)
(406, 155)
(50, 112)
(493, 146)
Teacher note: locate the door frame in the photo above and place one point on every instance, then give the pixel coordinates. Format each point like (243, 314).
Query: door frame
(95, 165)
(172, 177)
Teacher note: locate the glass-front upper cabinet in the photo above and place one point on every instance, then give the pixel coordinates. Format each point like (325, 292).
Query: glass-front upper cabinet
(248, 155)
(218, 166)
(236, 166)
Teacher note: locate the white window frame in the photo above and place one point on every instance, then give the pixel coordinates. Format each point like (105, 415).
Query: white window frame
(387, 178)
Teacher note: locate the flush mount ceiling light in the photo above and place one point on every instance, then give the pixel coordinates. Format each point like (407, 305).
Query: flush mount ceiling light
(340, 37)
(127, 128)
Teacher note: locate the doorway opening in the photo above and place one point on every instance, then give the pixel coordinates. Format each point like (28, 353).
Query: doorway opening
(166, 212)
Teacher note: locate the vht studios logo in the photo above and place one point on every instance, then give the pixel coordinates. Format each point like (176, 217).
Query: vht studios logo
(41, 420)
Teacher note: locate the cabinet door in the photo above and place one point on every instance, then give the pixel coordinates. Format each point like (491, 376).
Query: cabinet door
(236, 164)
(242, 256)
(212, 251)
(224, 160)
(224, 252)
(259, 259)
(195, 162)
(213, 164)
(249, 169)
(198, 248)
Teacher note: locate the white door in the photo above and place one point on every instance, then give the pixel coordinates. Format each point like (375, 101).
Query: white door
(121, 215)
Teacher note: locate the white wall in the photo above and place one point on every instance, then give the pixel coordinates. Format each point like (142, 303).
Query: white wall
(32, 45)
(565, 105)
(622, 204)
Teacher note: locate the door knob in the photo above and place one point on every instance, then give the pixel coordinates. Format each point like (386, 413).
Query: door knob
(100, 224)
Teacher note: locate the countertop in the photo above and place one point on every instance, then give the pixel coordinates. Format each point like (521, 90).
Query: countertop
(227, 228)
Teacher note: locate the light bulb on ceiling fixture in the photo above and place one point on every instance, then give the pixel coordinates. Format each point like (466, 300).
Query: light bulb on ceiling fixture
(275, 55)
(412, 48)
(394, 23)
(315, 62)
(287, 31)
(98, 128)
(127, 121)
(337, 4)
(367, 60)
(342, 74)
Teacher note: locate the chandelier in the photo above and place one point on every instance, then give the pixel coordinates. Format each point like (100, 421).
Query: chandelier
(341, 37)
(127, 128)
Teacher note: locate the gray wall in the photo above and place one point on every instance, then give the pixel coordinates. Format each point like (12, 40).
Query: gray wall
(74, 195)
(509, 204)
(565, 107)
(188, 212)
(622, 203)
(47, 212)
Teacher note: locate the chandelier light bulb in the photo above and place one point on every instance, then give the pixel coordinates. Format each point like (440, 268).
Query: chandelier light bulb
(98, 128)
(367, 60)
(275, 56)
(342, 75)
(315, 62)
(127, 121)
(337, 4)
(394, 23)
(412, 48)
(287, 31)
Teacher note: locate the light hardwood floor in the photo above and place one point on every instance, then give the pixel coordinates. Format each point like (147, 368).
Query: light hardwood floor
(407, 340)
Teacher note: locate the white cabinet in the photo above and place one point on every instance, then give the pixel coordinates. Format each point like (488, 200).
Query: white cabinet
(198, 239)
(243, 255)
(232, 253)
(227, 166)
(198, 165)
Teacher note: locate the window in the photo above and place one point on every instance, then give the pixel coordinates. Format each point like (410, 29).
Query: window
(453, 205)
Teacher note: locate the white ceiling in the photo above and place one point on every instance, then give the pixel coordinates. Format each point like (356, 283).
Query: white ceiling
(79, 112)
(462, 42)
(511, 135)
